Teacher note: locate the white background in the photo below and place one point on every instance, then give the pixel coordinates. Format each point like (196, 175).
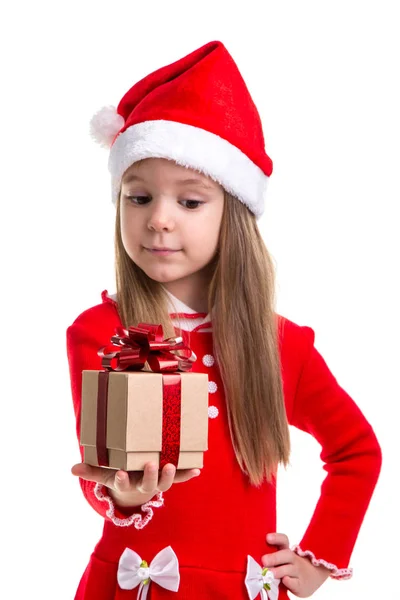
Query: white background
(325, 77)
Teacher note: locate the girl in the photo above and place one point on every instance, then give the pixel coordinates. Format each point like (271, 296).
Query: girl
(189, 171)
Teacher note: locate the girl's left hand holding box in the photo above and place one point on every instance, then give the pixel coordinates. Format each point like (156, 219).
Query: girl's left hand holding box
(134, 488)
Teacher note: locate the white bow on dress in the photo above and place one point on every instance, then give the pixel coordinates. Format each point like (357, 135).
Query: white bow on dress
(260, 580)
(163, 570)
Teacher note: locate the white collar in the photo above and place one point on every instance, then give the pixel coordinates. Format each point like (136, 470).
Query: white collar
(180, 312)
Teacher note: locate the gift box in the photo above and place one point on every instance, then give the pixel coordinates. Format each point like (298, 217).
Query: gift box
(130, 416)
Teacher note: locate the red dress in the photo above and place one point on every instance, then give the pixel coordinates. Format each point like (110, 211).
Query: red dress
(216, 520)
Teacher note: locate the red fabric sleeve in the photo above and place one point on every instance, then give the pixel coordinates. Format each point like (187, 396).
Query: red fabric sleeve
(85, 336)
(352, 457)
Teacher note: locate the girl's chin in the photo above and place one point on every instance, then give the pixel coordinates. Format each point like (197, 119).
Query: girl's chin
(162, 277)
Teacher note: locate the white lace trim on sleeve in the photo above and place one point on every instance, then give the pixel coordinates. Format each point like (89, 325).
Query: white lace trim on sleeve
(336, 573)
(136, 519)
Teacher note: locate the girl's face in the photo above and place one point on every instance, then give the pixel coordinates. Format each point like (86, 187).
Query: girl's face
(165, 205)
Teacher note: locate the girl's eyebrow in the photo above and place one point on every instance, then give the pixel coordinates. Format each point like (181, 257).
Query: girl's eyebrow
(199, 182)
(132, 178)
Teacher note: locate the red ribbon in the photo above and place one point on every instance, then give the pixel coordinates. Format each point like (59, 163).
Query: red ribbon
(171, 420)
(101, 424)
(139, 345)
(143, 344)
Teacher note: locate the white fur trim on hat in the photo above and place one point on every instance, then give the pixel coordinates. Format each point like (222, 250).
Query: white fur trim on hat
(191, 147)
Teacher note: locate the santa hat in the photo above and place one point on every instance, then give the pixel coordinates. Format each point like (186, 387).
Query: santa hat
(197, 112)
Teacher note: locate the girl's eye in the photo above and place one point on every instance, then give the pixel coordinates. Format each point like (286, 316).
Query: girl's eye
(198, 202)
(140, 200)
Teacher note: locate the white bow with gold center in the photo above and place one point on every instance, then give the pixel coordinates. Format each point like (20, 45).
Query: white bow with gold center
(260, 580)
(163, 570)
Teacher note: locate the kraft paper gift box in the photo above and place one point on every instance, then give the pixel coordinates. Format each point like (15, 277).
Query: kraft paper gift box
(137, 410)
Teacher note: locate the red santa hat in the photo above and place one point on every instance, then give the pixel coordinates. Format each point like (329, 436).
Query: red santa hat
(197, 112)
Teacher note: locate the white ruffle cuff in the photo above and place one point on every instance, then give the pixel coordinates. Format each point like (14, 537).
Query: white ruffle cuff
(137, 520)
(336, 573)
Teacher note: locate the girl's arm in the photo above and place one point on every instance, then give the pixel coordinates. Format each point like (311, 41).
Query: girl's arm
(352, 457)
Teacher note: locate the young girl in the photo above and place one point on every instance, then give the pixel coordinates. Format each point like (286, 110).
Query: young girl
(189, 172)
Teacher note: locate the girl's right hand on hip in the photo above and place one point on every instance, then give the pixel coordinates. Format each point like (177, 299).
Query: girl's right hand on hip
(134, 488)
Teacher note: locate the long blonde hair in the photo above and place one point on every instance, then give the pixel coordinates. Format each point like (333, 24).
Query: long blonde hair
(241, 299)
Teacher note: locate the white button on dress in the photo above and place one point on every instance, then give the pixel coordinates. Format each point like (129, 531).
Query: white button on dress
(213, 412)
(212, 387)
(208, 360)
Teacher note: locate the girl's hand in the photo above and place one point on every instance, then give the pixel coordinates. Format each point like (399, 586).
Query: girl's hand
(134, 488)
(297, 573)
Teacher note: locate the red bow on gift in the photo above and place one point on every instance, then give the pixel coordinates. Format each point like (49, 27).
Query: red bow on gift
(145, 343)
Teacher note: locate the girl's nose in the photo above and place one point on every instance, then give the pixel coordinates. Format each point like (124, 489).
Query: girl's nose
(160, 219)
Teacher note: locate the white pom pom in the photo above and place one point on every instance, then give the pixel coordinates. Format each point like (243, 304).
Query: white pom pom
(105, 124)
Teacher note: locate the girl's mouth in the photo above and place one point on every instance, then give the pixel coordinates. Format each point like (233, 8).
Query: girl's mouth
(162, 252)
